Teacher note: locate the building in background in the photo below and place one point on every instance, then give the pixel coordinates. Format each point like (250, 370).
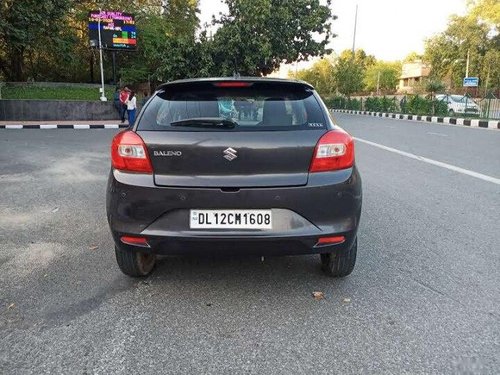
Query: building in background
(412, 75)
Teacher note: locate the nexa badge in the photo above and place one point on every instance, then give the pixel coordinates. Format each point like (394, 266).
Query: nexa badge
(167, 153)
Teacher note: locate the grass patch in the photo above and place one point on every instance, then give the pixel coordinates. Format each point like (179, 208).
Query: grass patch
(54, 93)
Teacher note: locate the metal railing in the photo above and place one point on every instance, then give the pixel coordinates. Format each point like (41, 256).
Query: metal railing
(483, 108)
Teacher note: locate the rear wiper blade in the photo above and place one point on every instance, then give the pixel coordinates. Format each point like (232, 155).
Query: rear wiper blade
(209, 122)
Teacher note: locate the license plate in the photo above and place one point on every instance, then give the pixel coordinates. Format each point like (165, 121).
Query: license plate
(230, 219)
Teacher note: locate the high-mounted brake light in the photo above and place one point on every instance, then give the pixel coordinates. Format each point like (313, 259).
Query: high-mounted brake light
(233, 84)
(129, 153)
(334, 151)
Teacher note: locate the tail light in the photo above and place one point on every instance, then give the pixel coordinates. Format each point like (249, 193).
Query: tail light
(129, 153)
(334, 151)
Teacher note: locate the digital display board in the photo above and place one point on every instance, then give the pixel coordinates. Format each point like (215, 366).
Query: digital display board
(117, 30)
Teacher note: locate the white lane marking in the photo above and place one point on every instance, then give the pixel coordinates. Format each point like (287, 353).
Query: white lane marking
(111, 126)
(81, 126)
(440, 134)
(13, 126)
(433, 162)
(47, 126)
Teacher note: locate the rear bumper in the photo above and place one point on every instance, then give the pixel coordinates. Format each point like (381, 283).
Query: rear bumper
(270, 246)
(330, 204)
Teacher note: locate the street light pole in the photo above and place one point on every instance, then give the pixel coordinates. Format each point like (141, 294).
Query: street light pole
(103, 97)
(378, 83)
(467, 65)
(354, 35)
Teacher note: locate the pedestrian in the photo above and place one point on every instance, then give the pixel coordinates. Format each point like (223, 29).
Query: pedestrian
(124, 94)
(131, 107)
(116, 102)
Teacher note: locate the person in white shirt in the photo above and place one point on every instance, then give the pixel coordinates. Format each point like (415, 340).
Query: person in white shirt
(131, 108)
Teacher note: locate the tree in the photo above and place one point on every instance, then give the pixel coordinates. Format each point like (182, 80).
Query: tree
(486, 10)
(350, 70)
(255, 37)
(183, 16)
(382, 75)
(167, 43)
(474, 36)
(412, 57)
(320, 75)
(28, 25)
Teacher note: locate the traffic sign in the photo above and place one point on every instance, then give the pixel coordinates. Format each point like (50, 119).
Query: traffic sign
(471, 82)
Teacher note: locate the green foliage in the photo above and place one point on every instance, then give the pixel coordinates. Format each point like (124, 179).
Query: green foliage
(254, 38)
(476, 34)
(380, 104)
(418, 105)
(320, 75)
(486, 10)
(31, 30)
(350, 69)
(257, 36)
(440, 108)
(54, 93)
(341, 102)
(412, 57)
(434, 86)
(386, 74)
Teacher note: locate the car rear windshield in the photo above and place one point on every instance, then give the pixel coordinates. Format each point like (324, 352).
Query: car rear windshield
(253, 106)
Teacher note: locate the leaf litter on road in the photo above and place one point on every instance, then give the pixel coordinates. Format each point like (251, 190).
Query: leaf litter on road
(318, 295)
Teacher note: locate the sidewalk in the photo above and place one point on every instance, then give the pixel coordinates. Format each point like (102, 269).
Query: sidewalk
(62, 124)
(471, 122)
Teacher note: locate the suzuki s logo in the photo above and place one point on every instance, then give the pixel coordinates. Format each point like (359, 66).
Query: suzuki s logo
(230, 154)
(167, 153)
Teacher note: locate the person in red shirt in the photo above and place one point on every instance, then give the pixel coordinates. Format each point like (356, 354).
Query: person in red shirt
(123, 101)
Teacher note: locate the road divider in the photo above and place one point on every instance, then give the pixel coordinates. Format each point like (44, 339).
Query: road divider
(474, 123)
(433, 162)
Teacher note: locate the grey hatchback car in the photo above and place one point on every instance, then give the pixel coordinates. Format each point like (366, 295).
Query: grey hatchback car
(234, 166)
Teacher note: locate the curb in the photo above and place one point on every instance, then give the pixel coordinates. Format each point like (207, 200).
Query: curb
(475, 123)
(65, 126)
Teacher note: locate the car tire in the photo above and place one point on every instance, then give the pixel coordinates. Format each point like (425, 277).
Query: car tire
(134, 263)
(340, 264)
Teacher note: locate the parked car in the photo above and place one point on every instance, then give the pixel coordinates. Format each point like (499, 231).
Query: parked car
(187, 179)
(459, 104)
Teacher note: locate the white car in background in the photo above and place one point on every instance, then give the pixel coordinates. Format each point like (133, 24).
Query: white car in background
(459, 104)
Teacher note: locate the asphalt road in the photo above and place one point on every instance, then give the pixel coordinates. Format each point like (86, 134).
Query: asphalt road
(424, 296)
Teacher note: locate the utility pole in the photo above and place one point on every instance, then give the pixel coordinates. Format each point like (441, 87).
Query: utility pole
(354, 34)
(113, 54)
(103, 97)
(467, 65)
(378, 84)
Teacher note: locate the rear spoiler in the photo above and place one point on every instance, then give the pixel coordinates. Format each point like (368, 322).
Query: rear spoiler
(234, 82)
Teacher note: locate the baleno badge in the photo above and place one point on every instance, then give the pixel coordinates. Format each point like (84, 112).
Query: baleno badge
(167, 153)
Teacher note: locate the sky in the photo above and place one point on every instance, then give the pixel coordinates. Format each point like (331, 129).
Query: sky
(387, 29)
